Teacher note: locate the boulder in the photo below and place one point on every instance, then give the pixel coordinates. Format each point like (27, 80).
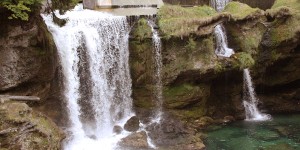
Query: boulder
(117, 129)
(136, 140)
(133, 124)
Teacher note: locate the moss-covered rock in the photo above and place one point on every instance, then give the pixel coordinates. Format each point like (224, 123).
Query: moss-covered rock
(141, 30)
(177, 21)
(240, 11)
(243, 60)
(23, 128)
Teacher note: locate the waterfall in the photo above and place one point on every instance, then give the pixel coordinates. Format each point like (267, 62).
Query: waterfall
(94, 55)
(250, 100)
(219, 5)
(222, 48)
(158, 68)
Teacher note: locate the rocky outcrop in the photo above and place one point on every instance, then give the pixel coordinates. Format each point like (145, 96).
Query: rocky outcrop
(23, 128)
(28, 58)
(197, 83)
(27, 66)
(174, 134)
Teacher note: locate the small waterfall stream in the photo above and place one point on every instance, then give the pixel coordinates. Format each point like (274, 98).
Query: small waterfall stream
(250, 100)
(222, 48)
(103, 39)
(158, 68)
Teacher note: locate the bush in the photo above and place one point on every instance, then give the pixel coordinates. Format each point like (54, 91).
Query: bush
(19, 8)
(243, 60)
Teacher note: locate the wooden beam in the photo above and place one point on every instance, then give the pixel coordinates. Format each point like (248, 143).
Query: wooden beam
(19, 98)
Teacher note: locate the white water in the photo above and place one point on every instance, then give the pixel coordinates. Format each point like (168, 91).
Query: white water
(222, 48)
(250, 100)
(219, 5)
(105, 41)
(158, 68)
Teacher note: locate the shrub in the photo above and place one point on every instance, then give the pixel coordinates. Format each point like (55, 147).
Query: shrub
(19, 8)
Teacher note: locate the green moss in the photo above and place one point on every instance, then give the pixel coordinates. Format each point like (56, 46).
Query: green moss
(241, 11)
(293, 4)
(178, 21)
(184, 95)
(191, 44)
(247, 37)
(243, 60)
(207, 50)
(143, 97)
(283, 32)
(284, 28)
(142, 30)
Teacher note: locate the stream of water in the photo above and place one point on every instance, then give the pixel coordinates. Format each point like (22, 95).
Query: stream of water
(222, 48)
(94, 55)
(158, 69)
(250, 100)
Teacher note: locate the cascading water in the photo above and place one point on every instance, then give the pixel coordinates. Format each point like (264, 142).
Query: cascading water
(220, 33)
(219, 5)
(158, 67)
(250, 100)
(103, 39)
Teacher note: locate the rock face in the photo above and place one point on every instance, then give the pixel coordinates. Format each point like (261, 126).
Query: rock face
(28, 55)
(23, 128)
(197, 83)
(27, 68)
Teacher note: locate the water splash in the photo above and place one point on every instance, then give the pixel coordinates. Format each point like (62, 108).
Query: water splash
(250, 100)
(104, 39)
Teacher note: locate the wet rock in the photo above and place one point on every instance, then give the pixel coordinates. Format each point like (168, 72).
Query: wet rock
(27, 55)
(133, 124)
(135, 140)
(117, 129)
(228, 119)
(174, 134)
(204, 122)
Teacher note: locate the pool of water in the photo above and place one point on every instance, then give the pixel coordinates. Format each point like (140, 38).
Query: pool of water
(281, 133)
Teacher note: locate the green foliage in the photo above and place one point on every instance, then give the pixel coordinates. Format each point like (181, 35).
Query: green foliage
(243, 60)
(19, 8)
(191, 45)
(142, 30)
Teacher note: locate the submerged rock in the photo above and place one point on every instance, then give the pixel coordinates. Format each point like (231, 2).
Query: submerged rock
(133, 124)
(135, 140)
